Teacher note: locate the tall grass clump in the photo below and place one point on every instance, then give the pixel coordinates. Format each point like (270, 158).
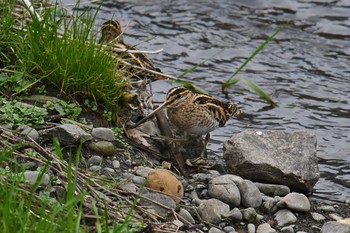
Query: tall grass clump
(9, 40)
(62, 50)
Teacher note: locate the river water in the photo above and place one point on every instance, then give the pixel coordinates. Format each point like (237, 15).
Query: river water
(306, 69)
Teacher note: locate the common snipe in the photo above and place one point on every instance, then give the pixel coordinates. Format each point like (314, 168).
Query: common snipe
(195, 113)
(111, 32)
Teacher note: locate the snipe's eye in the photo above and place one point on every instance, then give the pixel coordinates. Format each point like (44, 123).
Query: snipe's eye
(178, 96)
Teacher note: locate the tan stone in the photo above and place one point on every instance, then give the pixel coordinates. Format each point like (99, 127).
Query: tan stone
(165, 182)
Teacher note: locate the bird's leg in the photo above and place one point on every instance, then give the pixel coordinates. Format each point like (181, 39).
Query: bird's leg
(202, 159)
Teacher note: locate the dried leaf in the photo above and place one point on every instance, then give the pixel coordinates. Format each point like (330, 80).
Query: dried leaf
(138, 135)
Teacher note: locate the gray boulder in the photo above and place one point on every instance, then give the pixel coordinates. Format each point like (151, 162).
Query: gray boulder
(271, 156)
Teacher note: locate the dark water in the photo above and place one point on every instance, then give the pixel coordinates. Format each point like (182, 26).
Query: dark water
(306, 69)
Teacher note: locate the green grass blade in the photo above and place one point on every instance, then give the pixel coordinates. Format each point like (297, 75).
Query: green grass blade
(258, 50)
(257, 90)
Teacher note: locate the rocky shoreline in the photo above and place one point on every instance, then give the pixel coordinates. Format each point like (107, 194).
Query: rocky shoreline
(207, 200)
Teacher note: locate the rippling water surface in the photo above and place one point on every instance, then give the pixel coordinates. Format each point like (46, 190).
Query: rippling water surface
(306, 69)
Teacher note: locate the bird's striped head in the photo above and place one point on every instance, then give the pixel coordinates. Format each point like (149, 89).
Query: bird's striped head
(177, 96)
(110, 30)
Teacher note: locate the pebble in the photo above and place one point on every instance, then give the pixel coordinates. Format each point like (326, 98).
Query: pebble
(215, 230)
(29, 132)
(284, 217)
(129, 187)
(139, 180)
(295, 201)
(327, 208)
(103, 148)
(287, 229)
(187, 216)
(265, 228)
(229, 229)
(201, 177)
(250, 194)
(178, 223)
(224, 189)
(105, 134)
(269, 205)
(212, 210)
(317, 217)
(108, 171)
(234, 215)
(116, 164)
(251, 228)
(335, 216)
(335, 227)
(151, 199)
(128, 162)
(273, 189)
(32, 176)
(95, 160)
(95, 168)
(249, 215)
(143, 171)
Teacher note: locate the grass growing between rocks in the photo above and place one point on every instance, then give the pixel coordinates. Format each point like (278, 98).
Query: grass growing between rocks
(40, 207)
(61, 50)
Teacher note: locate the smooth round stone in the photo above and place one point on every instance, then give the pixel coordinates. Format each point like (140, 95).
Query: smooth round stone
(327, 208)
(215, 230)
(295, 201)
(187, 216)
(317, 217)
(139, 180)
(249, 214)
(287, 229)
(284, 217)
(265, 228)
(129, 187)
(105, 134)
(116, 164)
(212, 210)
(103, 148)
(32, 176)
(251, 228)
(229, 229)
(29, 132)
(95, 168)
(143, 171)
(108, 171)
(95, 160)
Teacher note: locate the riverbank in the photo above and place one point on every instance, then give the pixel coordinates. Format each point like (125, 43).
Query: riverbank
(96, 173)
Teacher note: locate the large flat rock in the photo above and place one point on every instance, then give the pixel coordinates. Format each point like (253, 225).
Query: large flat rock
(272, 156)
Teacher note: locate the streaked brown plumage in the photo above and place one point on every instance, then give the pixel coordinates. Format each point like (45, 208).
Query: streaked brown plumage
(110, 31)
(195, 113)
